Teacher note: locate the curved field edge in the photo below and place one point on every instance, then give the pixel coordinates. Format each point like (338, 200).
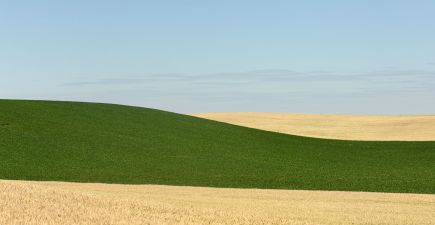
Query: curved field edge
(342, 127)
(24, 202)
(88, 142)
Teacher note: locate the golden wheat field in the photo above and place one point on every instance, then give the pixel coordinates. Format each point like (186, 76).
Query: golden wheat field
(346, 127)
(30, 202)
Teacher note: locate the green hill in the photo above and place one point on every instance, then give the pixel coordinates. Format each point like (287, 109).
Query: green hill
(87, 142)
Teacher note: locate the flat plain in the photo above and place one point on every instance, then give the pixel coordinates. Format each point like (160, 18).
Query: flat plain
(344, 127)
(30, 202)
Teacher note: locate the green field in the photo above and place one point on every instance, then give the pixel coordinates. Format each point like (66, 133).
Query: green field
(87, 142)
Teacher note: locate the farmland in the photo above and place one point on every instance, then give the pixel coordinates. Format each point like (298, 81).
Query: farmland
(343, 127)
(29, 202)
(88, 142)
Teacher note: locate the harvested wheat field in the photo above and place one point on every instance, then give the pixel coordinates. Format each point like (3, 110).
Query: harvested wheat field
(33, 202)
(345, 127)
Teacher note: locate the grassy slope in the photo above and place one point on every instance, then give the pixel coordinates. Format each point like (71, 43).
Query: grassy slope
(86, 142)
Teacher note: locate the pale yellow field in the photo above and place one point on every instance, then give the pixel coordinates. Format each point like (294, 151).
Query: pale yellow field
(26, 202)
(346, 127)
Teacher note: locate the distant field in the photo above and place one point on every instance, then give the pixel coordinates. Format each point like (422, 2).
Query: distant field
(103, 143)
(24, 202)
(345, 127)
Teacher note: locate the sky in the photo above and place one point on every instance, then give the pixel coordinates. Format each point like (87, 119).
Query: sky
(325, 56)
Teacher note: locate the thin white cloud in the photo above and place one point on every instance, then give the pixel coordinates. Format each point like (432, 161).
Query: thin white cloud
(390, 91)
(270, 81)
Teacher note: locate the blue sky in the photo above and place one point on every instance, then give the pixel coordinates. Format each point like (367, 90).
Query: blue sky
(359, 57)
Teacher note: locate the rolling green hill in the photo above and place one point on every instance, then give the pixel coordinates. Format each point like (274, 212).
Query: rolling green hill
(88, 142)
